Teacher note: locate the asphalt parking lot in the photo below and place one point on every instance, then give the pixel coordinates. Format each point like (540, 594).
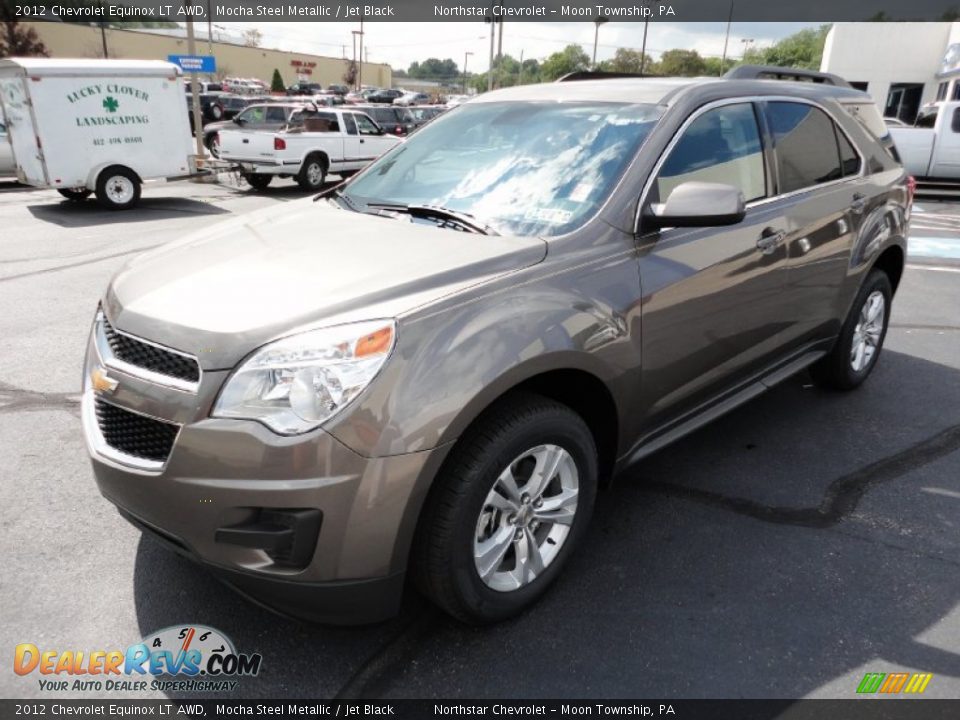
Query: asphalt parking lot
(784, 551)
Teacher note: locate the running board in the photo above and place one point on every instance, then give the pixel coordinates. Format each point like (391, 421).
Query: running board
(698, 418)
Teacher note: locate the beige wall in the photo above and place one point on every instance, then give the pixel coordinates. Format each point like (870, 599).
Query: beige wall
(67, 40)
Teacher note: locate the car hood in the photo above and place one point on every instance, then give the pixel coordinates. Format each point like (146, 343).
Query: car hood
(230, 288)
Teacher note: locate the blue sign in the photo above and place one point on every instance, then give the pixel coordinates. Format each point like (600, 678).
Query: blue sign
(195, 63)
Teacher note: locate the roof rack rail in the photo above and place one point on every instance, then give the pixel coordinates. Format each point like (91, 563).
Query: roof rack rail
(773, 72)
(598, 75)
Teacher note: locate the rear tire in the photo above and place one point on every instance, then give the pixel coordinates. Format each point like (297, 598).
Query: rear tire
(313, 173)
(861, 338)
(257, 181)
(75, 194)
(492, 538)
(118, 188)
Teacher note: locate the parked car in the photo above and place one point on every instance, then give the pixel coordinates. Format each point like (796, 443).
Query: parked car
(354, 98)
(328, 99)
(211, 108)
(203, 86)
(261, 116)
(305, 88)
(425, 113)
(412, 98)
(338, 89)
(895, 122)
(233, 105)
(931, 149)
(396, 120)
(384, 96)
(322, 400)
(7, 167)
(313, 143)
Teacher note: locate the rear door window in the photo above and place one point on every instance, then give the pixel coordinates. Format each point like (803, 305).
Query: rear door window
(805, 143)
(849, 159)
(720, 146)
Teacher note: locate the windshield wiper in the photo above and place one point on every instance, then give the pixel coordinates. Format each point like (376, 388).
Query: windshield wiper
(435, 212)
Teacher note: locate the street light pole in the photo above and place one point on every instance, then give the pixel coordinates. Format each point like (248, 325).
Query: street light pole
(596, 36)
(493, 27)
(643, 48)
(360, 68)
(194, 86)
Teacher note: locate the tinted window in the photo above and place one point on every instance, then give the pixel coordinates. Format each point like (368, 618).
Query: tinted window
(350, 124)
(720, 146)
(955, 125)
(276, 115)
(956, 91)
(253, 114)
(849, 160)
(806, 145)
(926, 118)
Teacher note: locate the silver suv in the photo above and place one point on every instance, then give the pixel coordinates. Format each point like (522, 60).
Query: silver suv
(427, 373)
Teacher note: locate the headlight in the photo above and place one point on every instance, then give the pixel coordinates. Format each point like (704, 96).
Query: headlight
(295, 384)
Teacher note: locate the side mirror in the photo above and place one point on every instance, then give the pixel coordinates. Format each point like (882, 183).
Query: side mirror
(698, 204)
(238, 120)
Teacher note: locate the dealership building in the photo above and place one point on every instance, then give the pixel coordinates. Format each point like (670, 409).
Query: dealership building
(903, 65)
(65, 40)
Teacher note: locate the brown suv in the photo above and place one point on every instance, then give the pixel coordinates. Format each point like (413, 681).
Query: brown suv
(427, 373)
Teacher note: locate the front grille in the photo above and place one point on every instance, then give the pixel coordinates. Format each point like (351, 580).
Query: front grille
(150, 357)
(134, 434)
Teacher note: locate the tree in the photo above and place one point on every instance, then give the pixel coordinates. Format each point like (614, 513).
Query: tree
(687, 63)
(252, 37)
(350, 73)
(571, 59)
(17, 41)
(276, 85)
(434, 69)
(803, 49)
(628, 61)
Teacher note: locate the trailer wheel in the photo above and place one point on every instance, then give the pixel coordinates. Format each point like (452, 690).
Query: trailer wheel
(258, 181)
(313, 173)
(75, 194)
(118, 188)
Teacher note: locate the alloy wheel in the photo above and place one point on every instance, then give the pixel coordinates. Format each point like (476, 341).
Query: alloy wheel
(526, 518)
(869, 329)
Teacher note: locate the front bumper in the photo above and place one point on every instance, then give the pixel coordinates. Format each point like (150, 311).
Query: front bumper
(223, 474)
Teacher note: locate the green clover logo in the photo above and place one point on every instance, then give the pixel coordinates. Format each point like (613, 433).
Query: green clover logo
(110, 104)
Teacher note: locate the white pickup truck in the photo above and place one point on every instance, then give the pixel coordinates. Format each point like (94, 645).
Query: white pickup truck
(931, 149)
(314, 143)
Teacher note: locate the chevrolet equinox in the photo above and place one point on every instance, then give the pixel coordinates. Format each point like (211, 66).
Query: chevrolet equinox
(425, 373)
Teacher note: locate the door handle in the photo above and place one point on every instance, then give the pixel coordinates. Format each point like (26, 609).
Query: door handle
(859, 203)
(361, 141)
(770, 240)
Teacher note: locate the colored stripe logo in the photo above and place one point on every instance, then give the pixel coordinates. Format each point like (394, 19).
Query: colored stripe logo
(894, 683)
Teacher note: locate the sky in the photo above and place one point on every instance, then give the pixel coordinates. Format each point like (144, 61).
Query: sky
(399, 44)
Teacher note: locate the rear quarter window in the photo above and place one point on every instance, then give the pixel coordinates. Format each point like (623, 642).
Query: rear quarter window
(805, 143)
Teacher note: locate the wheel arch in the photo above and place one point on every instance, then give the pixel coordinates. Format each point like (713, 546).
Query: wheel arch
(891, 261)
(98, 170)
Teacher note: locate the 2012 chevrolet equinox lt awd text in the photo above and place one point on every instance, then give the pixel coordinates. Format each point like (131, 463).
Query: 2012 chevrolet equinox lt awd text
(425, 375)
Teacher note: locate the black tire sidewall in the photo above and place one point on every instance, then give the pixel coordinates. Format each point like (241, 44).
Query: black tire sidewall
(875, 281)
(104, 178)
(558, 428)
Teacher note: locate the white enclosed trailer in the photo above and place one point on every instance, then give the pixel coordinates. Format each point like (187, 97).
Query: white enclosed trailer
(96, 126)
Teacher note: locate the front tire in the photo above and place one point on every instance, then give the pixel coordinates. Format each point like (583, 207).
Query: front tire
(118, 188)
(861, 338)
(511, 504)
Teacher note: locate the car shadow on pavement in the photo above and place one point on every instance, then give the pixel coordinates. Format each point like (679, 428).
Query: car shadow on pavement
(789, 545)
(88, 213)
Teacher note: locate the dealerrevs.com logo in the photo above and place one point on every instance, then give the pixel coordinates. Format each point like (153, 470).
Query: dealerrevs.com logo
(181, 658)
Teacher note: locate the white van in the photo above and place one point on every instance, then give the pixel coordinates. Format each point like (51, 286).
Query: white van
(96, 126)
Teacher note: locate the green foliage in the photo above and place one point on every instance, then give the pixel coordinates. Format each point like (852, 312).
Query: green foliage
(571, 59)
(685, 63)
(276, 84)
(803, 49)
(434, 69)
(628, 61)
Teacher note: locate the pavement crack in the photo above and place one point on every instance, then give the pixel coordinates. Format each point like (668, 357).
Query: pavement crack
(14, 399)
(68, 266)
(373, 677)
(842, 495)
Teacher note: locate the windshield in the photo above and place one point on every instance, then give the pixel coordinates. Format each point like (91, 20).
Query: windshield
(530, 168)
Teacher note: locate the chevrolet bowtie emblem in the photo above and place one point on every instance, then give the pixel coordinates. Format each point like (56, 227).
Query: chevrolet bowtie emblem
(102, 382)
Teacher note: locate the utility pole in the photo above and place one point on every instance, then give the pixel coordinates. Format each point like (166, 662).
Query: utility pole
(520, 74)
(499, 45)
(210, 37)
(103, 33)
(596, 35)
(356, 79)
(493, 28)
(360, 68)
(465, 56)
(194, 89)
(726, 40)
(643, 48)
